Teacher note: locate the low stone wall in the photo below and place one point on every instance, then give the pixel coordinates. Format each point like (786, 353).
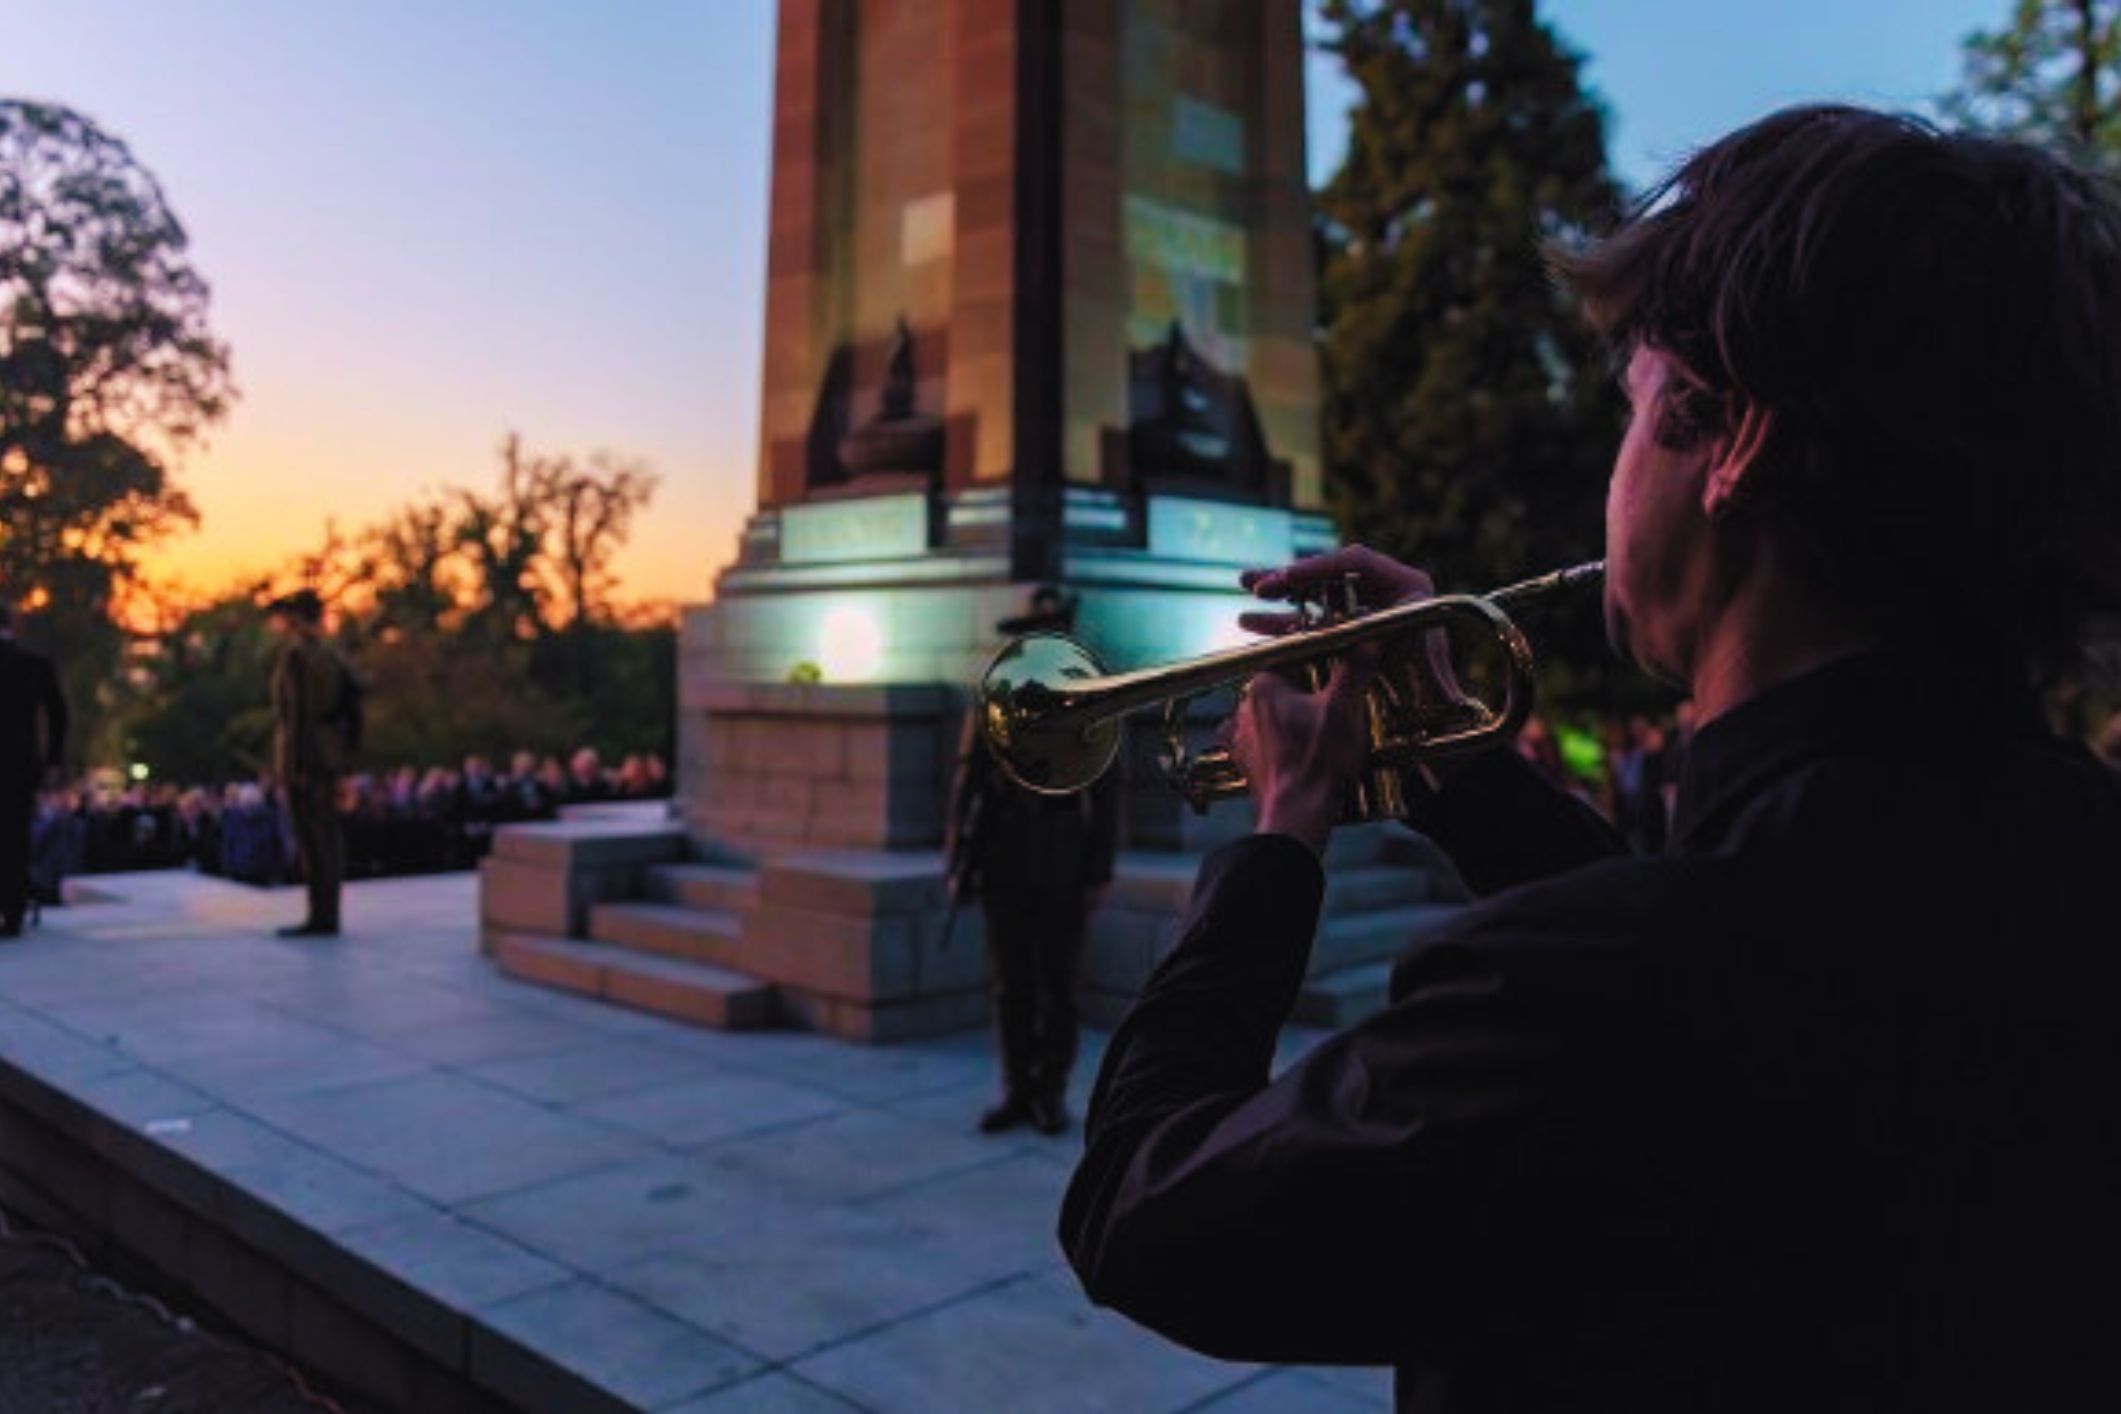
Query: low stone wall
(544, 878)
(166, 1222)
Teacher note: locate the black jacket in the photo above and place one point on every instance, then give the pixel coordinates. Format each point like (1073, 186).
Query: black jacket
(33, 717)
(1002, 839)
(1816, 1111)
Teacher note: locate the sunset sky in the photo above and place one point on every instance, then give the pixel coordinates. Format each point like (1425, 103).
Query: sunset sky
(429, 222)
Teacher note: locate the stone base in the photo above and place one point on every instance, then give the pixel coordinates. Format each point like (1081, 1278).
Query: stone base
(858, 943)
(544, 879)
(784, 766)
(861, 943)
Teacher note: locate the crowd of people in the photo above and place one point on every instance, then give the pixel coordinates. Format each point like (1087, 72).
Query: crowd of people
(1631, 773)
(404, 821)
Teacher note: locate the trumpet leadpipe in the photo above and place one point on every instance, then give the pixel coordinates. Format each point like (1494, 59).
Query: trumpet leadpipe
(1119, 694)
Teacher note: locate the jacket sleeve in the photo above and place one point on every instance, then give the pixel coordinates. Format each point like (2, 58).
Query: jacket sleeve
(1503, 824)
(1332, 1214)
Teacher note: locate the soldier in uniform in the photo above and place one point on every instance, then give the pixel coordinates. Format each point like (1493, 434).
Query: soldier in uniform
(33, 724)
(1039, 866)
(312, 695)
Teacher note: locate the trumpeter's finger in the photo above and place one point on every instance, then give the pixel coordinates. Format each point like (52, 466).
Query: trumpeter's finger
(1271, 625)
(1312, 569)
(1269, 689)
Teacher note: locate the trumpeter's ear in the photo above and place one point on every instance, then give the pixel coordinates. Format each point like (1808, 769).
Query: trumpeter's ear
(1734, 475)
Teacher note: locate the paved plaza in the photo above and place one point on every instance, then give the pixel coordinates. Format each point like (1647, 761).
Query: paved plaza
(692, 1220)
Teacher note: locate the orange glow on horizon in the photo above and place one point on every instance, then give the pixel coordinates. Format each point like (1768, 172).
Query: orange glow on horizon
(256, 519)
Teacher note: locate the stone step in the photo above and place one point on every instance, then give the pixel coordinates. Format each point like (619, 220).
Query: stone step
(686, 991)
(714, 886)
(709, 935)
(1345, 997)
(1357, 939)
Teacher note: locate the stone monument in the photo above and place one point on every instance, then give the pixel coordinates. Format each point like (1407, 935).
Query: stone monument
(1039, 311)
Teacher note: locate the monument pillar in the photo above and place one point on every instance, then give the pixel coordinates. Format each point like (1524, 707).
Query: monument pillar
(1039, 308)
(1043, 267)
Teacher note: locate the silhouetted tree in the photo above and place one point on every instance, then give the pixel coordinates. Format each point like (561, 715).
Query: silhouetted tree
(594, 515)
(107, 373)
(199, 707)
(482, 621)
(2052, 76)
(504, 533)
(412, 568)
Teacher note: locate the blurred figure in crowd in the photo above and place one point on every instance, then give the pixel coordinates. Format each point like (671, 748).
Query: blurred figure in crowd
(585, 778)
(33, 722)
(552, 781)
(1638, 777)
(250, 837)
(1537, 745)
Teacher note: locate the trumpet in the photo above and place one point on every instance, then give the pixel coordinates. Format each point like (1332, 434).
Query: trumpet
(1051, 713)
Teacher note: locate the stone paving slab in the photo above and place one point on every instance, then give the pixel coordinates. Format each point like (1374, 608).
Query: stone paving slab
(446, 1137)
(583, 1207)
(1279, 1390)
(645, 1356)
(605, 1067)
(770, 1393)
(987, 1344)
(688, 1114)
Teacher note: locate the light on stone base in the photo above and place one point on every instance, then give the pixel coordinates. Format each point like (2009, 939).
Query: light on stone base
(850, 644)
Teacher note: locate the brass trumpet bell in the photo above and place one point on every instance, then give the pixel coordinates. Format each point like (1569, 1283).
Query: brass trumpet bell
(1051, 714)
(1039, 746)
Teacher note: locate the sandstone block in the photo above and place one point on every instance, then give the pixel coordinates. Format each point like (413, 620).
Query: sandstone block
(524, 897)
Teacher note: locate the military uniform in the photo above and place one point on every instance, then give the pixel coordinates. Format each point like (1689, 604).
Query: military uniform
(309, 685)
(1032, 861)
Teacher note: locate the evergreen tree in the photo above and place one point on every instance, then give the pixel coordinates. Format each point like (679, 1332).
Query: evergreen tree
(1470, 419)
(2051, 76)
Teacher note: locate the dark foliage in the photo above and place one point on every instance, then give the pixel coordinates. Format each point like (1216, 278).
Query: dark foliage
(108, 372)
(2051, 76)
(481, 621)
(1470, 421)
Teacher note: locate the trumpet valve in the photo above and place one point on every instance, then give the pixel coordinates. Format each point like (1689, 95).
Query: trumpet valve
(1329, 602)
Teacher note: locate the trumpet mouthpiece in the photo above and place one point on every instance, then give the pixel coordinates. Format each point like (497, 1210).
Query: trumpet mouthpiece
(1574, 577)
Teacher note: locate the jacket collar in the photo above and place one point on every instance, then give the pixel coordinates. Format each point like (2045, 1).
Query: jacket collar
(1885, 703)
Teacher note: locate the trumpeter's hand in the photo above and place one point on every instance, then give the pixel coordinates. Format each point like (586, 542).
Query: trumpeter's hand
(1380, 582)
(1302, 750)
